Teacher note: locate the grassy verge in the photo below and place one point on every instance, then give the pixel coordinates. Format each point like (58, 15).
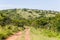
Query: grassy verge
(23, 36)
(42, 34)
(8, 30)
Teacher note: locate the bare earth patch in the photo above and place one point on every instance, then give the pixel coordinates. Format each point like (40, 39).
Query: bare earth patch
(15, 36)
(27, 34)
(18, 35)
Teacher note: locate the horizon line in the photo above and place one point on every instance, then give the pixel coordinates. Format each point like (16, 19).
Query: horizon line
(30, 8)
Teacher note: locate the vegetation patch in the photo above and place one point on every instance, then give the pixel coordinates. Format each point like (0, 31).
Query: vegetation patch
(14, 20)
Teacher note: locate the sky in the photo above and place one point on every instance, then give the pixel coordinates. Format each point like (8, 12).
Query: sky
(31, 4)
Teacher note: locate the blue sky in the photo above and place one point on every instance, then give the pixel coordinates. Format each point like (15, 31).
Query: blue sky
(32, 4)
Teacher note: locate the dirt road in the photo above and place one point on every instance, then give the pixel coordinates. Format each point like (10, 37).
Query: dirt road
(27, 34)
(15, 36)
(18, 35)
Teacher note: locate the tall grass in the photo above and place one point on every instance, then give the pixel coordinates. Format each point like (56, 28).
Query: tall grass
(43, 34)
(8, 30)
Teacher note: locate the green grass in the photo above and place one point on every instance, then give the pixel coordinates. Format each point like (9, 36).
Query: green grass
(39, 35)
(35, 34)
(8, 30)
(23, 36)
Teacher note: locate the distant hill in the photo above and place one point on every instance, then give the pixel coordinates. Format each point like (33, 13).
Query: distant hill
(28, 13)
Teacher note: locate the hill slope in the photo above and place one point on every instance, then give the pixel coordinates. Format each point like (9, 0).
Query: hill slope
(14, 20)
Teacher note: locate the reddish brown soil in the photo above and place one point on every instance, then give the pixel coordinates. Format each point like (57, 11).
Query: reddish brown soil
(15, 36)
(18, 35)
(27, 34)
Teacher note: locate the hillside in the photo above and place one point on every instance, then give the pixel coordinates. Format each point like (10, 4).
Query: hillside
(14, 20)
(28, 13)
